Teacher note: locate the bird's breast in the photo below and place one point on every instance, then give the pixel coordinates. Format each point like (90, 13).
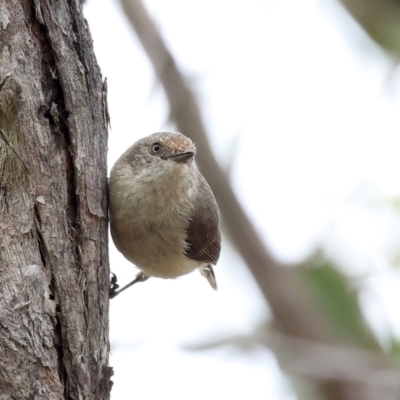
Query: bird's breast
(150, 231)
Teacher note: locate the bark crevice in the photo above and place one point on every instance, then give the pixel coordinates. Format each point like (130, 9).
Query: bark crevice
(53, 198)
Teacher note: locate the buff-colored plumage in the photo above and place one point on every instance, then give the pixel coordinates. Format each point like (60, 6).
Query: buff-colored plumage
(154, 197)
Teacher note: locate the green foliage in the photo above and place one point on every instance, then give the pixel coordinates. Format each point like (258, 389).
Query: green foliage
(394, 349)
(380, 19)
(338, 300)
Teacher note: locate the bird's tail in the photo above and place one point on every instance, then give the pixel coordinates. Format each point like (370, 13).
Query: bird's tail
(208, 273)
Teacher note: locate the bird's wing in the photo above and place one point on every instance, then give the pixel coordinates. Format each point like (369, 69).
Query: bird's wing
(203, 234)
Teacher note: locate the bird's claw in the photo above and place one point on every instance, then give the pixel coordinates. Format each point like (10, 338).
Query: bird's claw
(140, 277)
(114, 286)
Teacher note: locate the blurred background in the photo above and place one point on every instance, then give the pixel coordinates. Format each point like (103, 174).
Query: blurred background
(300, 104)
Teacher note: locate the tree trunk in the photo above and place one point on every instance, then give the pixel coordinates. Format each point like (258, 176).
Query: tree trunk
(54, 272)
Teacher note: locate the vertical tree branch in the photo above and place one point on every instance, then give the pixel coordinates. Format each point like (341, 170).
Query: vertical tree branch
(53, 226)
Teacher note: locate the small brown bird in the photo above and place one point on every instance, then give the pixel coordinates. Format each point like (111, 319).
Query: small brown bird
(164, 217)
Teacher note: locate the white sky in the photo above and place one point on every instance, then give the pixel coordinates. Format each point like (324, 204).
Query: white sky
(307, 120)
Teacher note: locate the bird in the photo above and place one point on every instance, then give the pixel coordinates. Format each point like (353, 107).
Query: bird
(163, 214)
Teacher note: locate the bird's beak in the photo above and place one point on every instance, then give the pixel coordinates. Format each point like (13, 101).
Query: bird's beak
(182, 157)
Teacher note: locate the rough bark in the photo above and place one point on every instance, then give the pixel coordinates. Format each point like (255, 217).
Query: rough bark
(53, 205)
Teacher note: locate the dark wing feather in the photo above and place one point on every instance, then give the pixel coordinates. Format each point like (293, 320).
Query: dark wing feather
(203, 234)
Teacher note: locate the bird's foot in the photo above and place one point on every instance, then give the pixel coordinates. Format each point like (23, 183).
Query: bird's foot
(140, 277)
(114, 285)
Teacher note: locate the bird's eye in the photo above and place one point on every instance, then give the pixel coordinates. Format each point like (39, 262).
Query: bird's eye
(156, 148)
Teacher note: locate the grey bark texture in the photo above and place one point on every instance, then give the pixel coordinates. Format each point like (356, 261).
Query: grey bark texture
(54, 271)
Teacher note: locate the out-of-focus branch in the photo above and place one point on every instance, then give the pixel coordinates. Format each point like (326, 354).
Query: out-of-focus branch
(365, 370)
(367, 373)
(283, 288)
(280, 286)
(380, 19)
